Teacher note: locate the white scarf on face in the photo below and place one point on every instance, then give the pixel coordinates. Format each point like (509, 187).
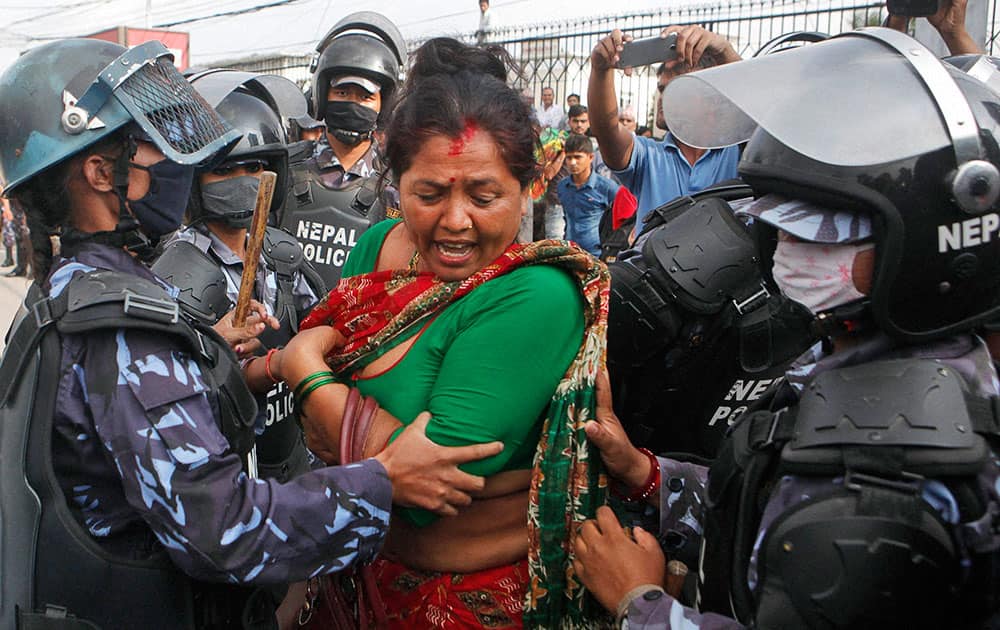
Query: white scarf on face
(820, 276)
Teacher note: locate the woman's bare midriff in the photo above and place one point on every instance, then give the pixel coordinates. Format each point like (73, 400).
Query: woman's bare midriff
(490, 532)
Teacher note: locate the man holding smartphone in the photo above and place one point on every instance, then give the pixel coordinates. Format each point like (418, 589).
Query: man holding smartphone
(657, 171)
(948, 19)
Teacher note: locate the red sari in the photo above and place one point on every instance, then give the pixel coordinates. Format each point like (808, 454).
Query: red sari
(493, 598)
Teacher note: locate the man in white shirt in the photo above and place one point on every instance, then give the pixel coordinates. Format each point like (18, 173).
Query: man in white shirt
(484, 22)
(550, 114)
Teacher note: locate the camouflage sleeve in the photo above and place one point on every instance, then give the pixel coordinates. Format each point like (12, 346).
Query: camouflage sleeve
(655, 610)
(305, 297)
(682, 490)
(151, 412)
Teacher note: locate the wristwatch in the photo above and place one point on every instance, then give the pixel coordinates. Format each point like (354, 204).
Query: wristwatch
(651, 594)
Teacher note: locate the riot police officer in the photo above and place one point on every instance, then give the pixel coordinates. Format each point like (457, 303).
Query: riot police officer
(863, 491)
(696, 333)
(306, 128)
(342, 189)
(126, 425)
(219, 213)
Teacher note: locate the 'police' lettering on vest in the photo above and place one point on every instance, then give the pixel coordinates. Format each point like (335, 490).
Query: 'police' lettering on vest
(743, 390)
(969, 233)
(324, 250)
(280, 404)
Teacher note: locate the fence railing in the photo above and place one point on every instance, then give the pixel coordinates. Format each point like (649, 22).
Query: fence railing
(557, 55)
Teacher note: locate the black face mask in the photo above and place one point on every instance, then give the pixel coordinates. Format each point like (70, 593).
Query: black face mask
(230, 201)
(349, 122)
(160, 211)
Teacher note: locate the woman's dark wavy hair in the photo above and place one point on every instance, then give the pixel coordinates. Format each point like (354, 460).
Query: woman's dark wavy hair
(451, 85)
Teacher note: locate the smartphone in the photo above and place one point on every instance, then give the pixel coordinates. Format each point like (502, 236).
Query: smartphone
(912, 8)
(644, 52)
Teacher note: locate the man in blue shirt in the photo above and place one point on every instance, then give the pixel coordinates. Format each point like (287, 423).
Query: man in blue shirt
(654, 171)
(584, 195)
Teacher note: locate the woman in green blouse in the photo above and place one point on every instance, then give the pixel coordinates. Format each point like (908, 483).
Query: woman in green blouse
(442, 311)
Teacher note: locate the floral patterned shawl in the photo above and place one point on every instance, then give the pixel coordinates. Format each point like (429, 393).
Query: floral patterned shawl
(568, 483)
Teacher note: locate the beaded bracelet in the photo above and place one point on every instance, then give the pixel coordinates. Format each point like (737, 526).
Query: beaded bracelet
(267, 364)
(652, 481)
(309, 379)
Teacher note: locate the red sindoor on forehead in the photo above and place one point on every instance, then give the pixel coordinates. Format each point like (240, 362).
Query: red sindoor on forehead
(458, 144)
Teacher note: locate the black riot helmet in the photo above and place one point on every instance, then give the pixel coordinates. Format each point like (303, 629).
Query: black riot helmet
(871, 122)
(364, 44)
(256, 106)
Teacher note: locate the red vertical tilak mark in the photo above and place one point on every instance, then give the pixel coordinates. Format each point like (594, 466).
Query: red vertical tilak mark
(458, 144)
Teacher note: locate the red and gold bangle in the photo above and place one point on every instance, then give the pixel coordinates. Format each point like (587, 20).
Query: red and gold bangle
(267, 364)
(652, 483)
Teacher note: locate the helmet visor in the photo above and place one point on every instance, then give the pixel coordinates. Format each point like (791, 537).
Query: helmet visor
(849, 101)
(176, 118)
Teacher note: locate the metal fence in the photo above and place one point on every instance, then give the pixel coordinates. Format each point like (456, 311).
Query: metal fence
(557, 55)
(292, 67)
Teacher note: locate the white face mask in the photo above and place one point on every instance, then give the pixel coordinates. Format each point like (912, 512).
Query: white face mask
(819, 276)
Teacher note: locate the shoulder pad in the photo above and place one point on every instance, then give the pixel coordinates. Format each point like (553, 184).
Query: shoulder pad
(91, 301)
(148, 299)
(642, 320)
(201, 282)
(918, 405)
(707, 255)
(910, 402)
(281, 251)
(357, 196)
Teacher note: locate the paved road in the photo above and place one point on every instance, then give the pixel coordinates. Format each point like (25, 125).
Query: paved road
(11, 292)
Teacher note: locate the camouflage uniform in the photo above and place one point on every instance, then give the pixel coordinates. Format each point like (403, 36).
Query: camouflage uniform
(682, 508)
(144, 466)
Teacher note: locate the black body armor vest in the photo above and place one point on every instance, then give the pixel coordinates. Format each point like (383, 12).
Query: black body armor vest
(327, 223)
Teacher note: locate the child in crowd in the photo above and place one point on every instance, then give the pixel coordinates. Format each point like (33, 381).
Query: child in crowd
(584, 195)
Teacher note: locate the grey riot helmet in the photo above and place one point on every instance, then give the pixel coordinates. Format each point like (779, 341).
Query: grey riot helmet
(61, 98)
(365, 45)
(256, 106)
(65, 96)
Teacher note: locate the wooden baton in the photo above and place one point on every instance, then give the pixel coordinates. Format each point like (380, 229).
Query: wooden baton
(676, 574)
(255, 241)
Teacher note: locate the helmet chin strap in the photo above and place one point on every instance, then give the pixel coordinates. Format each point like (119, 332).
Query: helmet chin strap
(127, 234)
(352, 138)
(847, 319)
